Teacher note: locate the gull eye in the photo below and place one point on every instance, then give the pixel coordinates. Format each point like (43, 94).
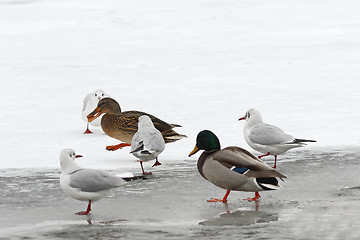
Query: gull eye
(102, 94)
(95, 94)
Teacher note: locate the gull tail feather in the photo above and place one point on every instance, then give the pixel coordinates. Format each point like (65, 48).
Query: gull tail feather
(298, 140)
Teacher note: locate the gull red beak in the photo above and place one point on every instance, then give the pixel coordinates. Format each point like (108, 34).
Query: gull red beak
(77, 156)
(242, 118)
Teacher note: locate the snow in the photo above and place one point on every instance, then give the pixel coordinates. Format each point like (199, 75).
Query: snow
(201, 64)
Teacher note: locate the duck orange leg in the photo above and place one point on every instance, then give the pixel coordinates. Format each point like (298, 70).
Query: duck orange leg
(224, 200)
(157, 163)
(87, 129)
(257, 196)
(116, 147)
(87, 210)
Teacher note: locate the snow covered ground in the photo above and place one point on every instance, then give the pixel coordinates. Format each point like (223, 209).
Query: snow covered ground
(200, 64)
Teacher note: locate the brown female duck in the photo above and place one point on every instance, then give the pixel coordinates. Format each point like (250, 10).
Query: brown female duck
(123, 125)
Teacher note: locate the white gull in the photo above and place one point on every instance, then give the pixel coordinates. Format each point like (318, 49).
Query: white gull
(86, 184)
(266, 138)
(147, 143)
(90, 103)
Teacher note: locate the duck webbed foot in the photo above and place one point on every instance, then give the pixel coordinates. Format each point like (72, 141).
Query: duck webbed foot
(257, 197)
(224, 200)
(216, 200)
(116, 147)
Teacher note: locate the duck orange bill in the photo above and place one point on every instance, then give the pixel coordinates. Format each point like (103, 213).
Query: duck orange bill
(93, 115)
(196, 149)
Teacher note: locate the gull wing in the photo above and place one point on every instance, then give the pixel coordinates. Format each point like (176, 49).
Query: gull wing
(89, 180)
(266, 134)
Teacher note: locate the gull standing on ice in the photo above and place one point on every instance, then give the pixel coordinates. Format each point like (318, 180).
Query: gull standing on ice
(90, 103)
(86, 184)
(147, 143)
(266, 138)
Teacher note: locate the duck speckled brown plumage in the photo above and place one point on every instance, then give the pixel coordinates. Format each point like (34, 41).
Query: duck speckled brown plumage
(123, 125)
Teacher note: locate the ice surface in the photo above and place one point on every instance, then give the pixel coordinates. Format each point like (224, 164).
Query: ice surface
(320, 200)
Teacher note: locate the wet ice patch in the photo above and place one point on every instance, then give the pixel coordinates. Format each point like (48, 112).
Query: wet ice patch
(349, 191)
(239, 218)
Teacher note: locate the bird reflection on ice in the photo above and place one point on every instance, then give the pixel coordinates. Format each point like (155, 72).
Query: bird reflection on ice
(241, 217)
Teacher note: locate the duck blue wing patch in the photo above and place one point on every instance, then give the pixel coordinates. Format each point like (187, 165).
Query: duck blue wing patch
(240, 170)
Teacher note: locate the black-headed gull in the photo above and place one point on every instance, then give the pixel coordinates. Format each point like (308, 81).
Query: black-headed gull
(266, 138)
(86, 184)
(90, 103)
(147, 143)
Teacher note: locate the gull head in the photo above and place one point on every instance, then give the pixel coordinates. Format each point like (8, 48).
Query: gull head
(99, 94)
(145, 121)
(252, 115)
(67, 158)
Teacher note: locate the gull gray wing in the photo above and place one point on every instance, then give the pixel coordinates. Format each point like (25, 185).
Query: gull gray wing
(154, 141)
(267, 134)
(136, 142)
(86, 100)
(151, 140)
(89, 180)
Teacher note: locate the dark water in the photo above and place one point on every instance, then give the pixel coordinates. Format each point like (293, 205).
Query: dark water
(320, 200)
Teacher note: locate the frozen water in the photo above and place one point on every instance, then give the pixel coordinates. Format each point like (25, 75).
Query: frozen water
(320, 199)
(201, 64)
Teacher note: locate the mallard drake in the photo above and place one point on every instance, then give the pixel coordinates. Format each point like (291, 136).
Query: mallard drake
(91, 101)
(123, 125)
(86, 184)
(147, 143)
(266, 138)
(233, 168)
